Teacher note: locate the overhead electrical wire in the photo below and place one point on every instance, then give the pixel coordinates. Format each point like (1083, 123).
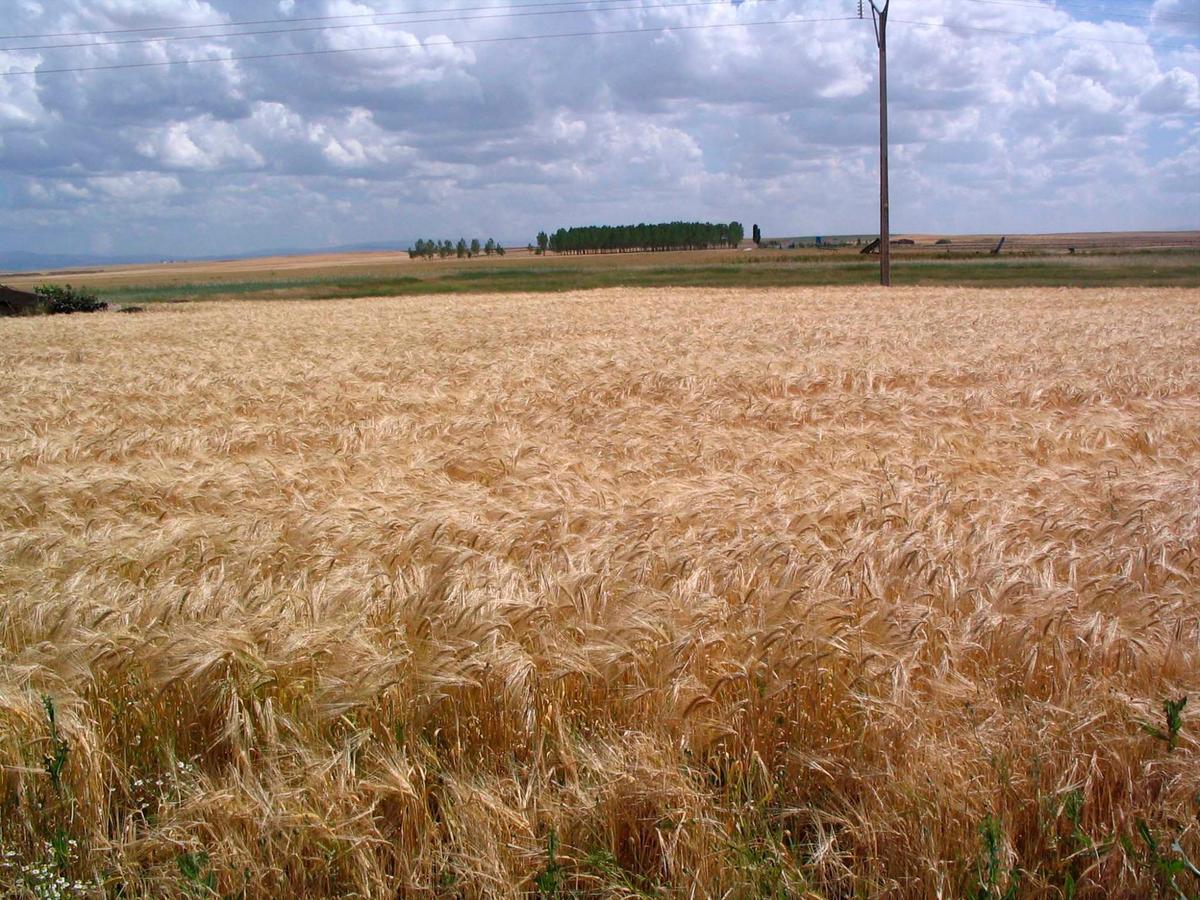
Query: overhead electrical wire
(532, 37)
(542, 4)
(575, 10)
(1131, 4)
(574, 7)
(1083, 5)
(449, 43)
(1066, 6)
(275, 21)
(1009, 31)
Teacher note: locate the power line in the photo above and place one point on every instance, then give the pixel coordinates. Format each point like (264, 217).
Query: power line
(1101, 5)
(1127, 4)
(548, 9)
(1040, 34)
(492, 40)
(144, 29)
(533, 37)
(1065, 5)
(1079, 4)
(582, 4)
(310, 28)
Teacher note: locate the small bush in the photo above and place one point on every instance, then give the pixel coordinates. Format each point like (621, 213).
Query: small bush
(65, 299)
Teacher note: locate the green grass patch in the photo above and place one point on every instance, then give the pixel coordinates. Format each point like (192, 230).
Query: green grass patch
(1159, 270)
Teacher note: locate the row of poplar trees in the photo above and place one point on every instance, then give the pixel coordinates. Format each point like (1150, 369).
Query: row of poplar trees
(632, 238)
(442, 249)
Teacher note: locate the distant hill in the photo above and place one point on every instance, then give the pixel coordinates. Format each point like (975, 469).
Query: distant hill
(23, 261)
(13, 262)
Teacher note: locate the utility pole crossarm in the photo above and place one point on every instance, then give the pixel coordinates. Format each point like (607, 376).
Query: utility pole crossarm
(879, 15)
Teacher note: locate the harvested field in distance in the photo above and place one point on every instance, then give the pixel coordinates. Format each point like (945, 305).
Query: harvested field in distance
(765, 270)
(808, 592)
(1132, 259)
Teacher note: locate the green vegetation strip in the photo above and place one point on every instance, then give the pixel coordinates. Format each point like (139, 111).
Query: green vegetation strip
(1176, 270)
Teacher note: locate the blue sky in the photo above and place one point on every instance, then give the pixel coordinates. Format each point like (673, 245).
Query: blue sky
(1093, 122)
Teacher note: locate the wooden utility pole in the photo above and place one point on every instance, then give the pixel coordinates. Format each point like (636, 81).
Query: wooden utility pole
(879, 17)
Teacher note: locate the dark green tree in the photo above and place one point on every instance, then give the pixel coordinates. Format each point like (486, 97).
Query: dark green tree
(757, 236)
(632, 238)
(474, 247)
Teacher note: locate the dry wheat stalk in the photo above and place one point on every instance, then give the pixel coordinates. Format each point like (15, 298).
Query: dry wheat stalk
(731, 592)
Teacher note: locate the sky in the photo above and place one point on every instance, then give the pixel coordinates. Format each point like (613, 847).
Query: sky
(1006, 116)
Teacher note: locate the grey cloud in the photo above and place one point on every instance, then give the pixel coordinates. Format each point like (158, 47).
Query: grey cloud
(1177, 92)
(775, 124)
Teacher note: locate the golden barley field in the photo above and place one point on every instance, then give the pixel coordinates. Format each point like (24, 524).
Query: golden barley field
(678, 593)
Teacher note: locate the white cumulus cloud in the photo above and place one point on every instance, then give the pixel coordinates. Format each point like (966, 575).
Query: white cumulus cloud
(1004, 116)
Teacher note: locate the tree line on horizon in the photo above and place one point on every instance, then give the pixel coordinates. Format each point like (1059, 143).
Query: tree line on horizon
(443, 249)
(643, 237)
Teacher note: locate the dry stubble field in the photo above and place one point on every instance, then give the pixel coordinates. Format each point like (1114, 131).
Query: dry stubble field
(826, 592)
